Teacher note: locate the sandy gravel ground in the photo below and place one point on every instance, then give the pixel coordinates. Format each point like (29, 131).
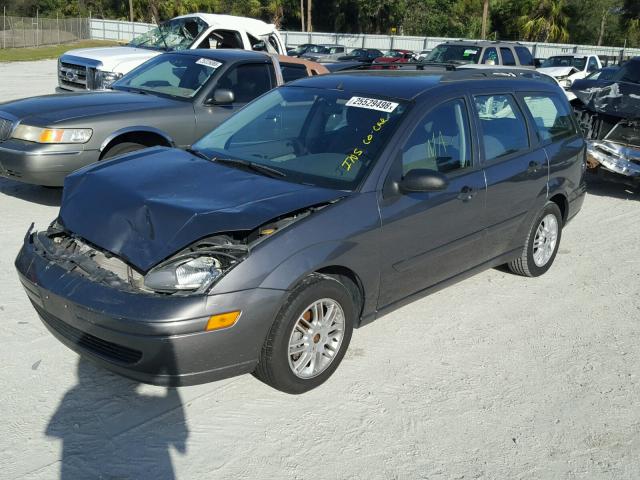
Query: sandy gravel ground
(498, 377)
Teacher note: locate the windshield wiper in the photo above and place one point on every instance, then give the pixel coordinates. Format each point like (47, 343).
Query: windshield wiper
(256, 167)
(197, 153)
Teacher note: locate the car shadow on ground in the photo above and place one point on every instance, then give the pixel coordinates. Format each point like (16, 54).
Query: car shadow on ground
(49, 196)
(110, 429)
(606, 188)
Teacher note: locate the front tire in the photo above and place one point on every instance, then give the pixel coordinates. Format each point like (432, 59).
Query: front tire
(541, 245)
(309, 337)
(121, 149)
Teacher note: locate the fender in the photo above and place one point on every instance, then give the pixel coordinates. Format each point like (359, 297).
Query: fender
(333, 253)
(133, 129)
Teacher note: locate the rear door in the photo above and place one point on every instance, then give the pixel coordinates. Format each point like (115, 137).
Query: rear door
(428, 237)
(247, 81)
(515, 166)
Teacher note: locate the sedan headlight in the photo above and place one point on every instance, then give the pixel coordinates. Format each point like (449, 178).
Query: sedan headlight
(105, 79)
(52, 135)
(184, 274)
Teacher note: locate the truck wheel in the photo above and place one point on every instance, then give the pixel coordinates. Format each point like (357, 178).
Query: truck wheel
(542, 243)
(121, 149)
(309, 337)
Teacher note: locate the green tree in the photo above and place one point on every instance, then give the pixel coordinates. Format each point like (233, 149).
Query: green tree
(548, 23)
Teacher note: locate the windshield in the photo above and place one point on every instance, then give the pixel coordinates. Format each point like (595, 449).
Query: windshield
(177, 75)
(328, 138)
(454, 53)
(176, 34)
(565, 61)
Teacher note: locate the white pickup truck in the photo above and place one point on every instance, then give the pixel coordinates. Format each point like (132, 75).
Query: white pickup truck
(98, 68)
(571, 67)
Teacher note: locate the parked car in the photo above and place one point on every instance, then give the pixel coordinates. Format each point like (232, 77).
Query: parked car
(481, 52)
(172, 99)
(569, 68)
(365, 55)
(300, 49)
(317, 208)
(324, 52)
(422, 55)
(396, 56)
(97, 68)
(599, 78)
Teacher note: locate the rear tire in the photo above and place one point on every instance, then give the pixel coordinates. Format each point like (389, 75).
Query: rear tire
(541, 245)
(309, 336)
(121, 149)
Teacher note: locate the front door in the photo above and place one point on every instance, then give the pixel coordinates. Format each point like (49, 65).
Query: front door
(247, 82)
(428, 237)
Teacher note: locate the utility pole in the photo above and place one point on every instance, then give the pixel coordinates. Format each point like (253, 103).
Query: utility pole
(485, 17)
(302, 15)
(309, 25)
(131, 10)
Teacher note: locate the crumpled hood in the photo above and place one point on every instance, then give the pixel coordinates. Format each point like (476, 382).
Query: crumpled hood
(112, 57)
(147, 206)
(558, 71)
(47, 110)
(621, 99)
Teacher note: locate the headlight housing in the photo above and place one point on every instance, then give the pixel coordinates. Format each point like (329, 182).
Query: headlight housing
(104, 79)
(190, 273)
(52, 135)
(565, 81)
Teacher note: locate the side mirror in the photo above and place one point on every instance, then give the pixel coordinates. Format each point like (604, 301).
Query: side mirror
(221, 96)
(423, 180)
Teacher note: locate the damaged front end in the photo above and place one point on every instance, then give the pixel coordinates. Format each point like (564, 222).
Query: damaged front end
(191, 271)
(610, 120)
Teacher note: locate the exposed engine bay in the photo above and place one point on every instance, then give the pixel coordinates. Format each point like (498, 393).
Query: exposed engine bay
(76, 255)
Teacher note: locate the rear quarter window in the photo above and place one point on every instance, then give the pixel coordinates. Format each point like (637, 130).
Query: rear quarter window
(551, 117)
(502, 125)
(291, 72)
(524, 55)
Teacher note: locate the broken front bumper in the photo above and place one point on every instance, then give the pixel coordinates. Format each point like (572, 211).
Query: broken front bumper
(152, 338)
(617, 158)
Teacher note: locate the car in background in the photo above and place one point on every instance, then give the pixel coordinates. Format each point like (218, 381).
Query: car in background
(324, 53)
(364, 55)
(171, 100)
(422, 55)
(396, 56)
(300, 49)
(316, 209)
(599, 78)
(569, 68)
(481, 52)
(97, 68)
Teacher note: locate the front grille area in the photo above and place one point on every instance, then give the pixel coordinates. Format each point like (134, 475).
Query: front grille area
(103, 348)
(72, 76)
(6, 127)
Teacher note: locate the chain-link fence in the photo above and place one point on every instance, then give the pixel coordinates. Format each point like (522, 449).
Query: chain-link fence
(34, 31)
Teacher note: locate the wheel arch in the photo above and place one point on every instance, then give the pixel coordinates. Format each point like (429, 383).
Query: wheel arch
(144, 135)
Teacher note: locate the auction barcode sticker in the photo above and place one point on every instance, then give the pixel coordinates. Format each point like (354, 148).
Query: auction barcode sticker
(372, 104)
(207, 62)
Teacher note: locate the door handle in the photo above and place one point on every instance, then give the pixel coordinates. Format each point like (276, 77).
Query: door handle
(533, 167)
(466, 193)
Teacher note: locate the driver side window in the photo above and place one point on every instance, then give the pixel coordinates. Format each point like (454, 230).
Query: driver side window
(441, 141)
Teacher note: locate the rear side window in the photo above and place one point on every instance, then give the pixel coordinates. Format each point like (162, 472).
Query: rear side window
(490, 56)
(507, 56)
(592, 66)
(247, 81)
(441, 140)
(292, 71)
(524, 55)
(502, 125)
(550, 116)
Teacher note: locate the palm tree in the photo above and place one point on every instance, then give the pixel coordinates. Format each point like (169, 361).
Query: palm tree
(548, 23)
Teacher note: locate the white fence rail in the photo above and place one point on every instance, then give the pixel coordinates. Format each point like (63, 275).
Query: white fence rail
(125, 31)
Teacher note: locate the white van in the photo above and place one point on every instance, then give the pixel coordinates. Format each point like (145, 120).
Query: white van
(98, 68)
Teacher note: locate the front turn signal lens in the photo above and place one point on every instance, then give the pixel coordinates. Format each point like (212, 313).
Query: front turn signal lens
(222, 320)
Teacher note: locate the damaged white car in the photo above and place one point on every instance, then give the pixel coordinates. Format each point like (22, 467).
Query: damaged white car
(566, 69)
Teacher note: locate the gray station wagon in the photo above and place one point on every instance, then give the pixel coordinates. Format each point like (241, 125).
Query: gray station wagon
(316, 209)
